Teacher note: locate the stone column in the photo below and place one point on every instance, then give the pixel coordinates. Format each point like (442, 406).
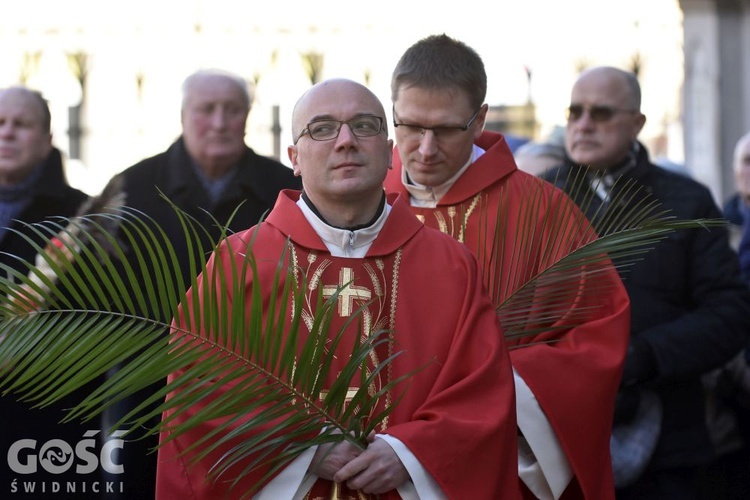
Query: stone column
(716, 100)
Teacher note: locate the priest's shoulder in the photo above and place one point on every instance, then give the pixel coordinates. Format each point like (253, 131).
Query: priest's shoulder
(259, 236)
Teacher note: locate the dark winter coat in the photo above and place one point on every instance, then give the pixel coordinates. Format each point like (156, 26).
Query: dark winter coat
(47, 455)
(51, 196)
(254, 189)
(690, 309)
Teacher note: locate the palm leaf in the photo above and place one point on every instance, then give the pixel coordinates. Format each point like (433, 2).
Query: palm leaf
(84, 309)
(570, 255)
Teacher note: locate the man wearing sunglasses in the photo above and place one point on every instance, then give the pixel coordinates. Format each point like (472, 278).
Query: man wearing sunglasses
(464, 181)
(690, 309)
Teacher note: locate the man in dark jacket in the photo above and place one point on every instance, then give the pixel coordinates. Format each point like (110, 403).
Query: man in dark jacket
(208, 173)
(737, 212)
(737, 207)
(37, 452)
(690, 308)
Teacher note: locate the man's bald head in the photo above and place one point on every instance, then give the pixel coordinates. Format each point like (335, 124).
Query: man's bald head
(335, 88)
(604, 117)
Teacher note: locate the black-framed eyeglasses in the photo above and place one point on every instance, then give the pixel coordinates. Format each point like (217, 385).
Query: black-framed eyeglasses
(326, 130)
(439, 131)
(598, 113)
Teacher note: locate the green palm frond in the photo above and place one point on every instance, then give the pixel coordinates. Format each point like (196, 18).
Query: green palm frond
(574, 254)
(84, 309)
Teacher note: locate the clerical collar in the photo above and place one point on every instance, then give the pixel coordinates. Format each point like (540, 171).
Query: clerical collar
(369, 223)
(429, 197)
(353, 242)
(602, 181)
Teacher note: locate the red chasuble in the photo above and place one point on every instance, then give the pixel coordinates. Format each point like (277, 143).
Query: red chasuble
(457, 416)
(574, 379)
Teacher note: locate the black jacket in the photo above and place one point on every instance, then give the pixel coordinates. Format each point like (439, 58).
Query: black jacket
(733, 211)
(690, 309)
(47, 456)
(51, 196)
(256, 186)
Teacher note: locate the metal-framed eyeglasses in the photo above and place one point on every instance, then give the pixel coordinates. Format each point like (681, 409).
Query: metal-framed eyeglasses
(598, 113)
(326, 129)
(413, 131)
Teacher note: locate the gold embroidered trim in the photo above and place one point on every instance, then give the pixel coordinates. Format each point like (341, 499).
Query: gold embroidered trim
(466, 216)
(392, 324)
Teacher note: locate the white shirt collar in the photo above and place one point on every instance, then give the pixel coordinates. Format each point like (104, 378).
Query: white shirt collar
(428, 197)
(343, 242)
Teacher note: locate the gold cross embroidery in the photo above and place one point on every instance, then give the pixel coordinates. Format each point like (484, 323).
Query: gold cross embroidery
(349, 293)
